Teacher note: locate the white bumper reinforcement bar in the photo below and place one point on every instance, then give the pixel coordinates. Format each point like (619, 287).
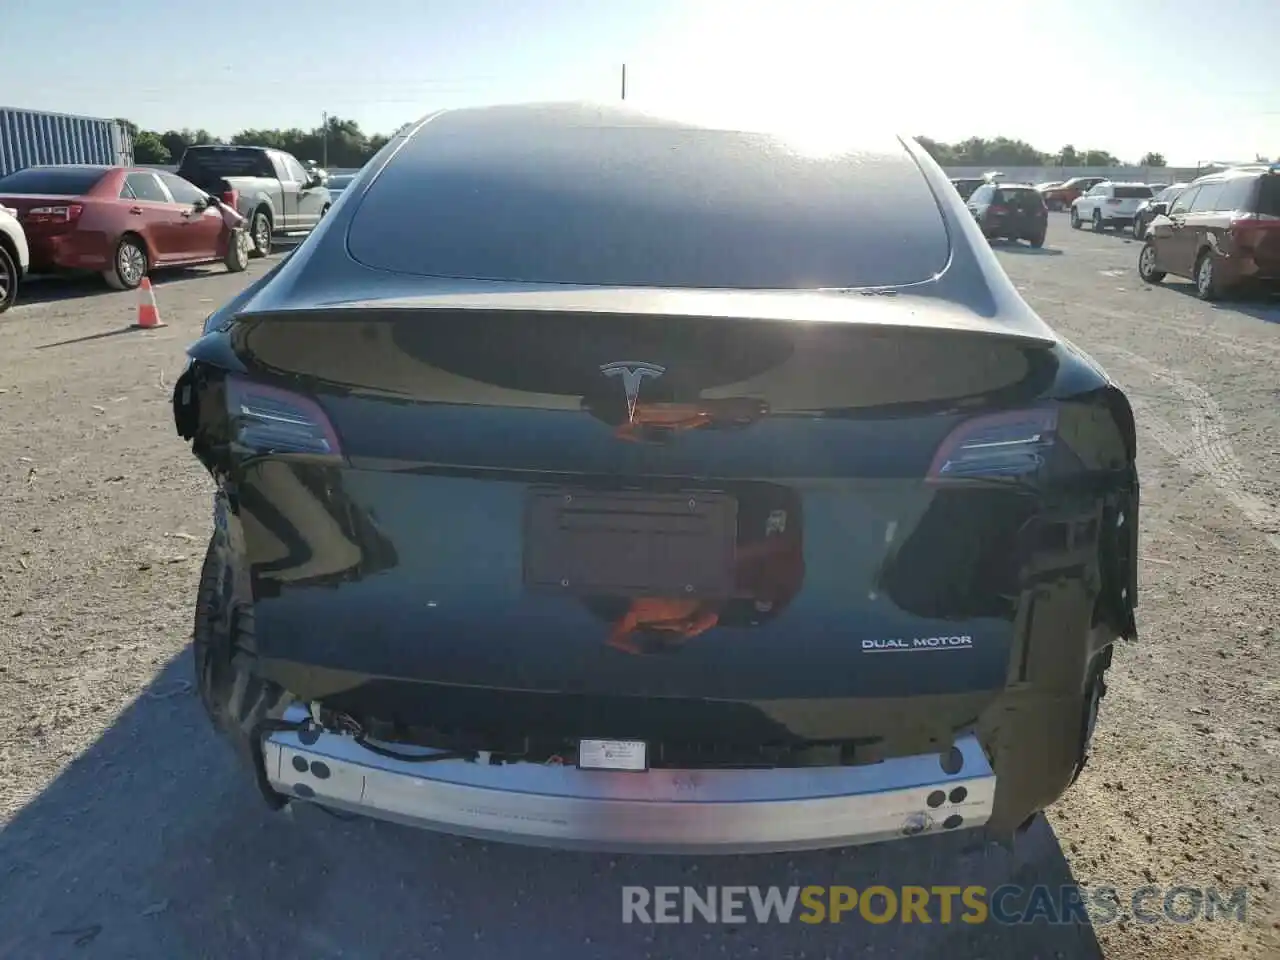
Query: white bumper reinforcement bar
(657, 811)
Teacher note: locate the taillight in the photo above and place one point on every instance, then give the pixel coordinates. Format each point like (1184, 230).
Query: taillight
(267, 420)
(68, 213)
(1009, 444)
(1248, 230)
(231, 198)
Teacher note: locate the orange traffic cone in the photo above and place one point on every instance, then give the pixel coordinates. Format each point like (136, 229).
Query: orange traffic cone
(148, 311)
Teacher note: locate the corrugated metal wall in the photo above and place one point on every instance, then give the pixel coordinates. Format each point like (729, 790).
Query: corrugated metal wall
(29, 137)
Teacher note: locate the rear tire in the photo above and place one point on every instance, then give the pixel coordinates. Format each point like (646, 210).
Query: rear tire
(1036, 241)
(129, 264)
(1206, 278)
(260, 228)
(1098, 225)
(1138, 229)
(235, 699)
(1075, 219)
(8, 280)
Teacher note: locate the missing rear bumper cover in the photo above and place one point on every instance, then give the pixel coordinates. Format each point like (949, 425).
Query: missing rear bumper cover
(662, 810)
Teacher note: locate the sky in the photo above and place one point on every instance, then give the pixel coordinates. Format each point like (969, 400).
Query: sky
(1192, 81)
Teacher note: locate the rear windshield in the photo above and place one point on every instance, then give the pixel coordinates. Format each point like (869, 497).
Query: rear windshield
(205, 162)
(1133, 193)
(52, 181)
(1269, 196)
(1017, 195)
(647, 205)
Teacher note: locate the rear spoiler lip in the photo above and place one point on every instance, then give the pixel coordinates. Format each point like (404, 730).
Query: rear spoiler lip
(869, 307)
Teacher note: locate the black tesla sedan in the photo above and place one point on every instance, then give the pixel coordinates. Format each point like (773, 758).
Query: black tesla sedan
(593, 478)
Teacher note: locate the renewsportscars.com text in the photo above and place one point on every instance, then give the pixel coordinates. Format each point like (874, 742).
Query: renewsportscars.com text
(1007, 904)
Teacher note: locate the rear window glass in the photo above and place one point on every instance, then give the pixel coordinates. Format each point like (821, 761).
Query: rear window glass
(1019, 195)
(228, 162)
(1268, 202)
(52, 181)
(1132, 193)
(643, 203)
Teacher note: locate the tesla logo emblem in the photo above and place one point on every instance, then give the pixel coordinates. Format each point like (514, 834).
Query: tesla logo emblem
(632, 374)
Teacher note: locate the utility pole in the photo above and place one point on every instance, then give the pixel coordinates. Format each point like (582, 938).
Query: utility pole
(624, 81)
(324, 140)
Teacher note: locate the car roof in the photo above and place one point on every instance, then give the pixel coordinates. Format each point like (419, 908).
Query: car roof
(1224, 176)
(1234, 173)
(608, 195)
(72, 167)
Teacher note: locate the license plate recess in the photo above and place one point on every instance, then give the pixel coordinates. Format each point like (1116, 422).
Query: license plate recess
(630, 544)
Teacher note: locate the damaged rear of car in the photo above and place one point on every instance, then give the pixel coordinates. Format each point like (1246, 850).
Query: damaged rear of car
(643, 486)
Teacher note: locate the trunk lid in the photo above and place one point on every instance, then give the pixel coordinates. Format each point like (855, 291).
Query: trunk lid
(636, 507)
(61, 212)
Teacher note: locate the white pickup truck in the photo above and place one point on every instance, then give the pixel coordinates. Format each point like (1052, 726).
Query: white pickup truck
(1109, 205)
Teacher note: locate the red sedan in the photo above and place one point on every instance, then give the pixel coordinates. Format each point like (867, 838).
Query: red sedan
(121, 222)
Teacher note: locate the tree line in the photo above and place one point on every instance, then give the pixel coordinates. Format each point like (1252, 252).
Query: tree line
(340, 143)
(1003, 151)
(343, 144)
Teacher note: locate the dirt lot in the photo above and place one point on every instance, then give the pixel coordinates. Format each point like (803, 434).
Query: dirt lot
(130, 834)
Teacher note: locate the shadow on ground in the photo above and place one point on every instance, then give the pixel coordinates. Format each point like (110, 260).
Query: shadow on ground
(1260, 304)
(55, 288)
(1012, 246)
(153, 844)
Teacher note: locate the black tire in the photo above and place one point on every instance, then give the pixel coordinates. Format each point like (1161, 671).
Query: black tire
(236, 700)
(1139, 228)
(1036, 241)
(8, 280)
(1147, 264)
(260, 229)
(129, 264)
(1075, 219)
(1206, 278)
(1097, 221)
(237, 256)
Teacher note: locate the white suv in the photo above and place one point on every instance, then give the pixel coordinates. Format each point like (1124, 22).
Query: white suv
(15, 258)
(1109, 205)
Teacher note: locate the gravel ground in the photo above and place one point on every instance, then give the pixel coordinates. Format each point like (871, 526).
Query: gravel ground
(129, 833)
